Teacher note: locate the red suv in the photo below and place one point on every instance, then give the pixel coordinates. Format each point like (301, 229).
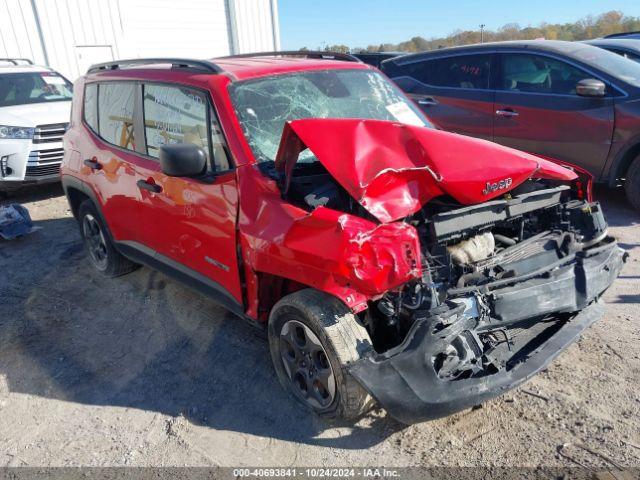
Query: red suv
(387, 260)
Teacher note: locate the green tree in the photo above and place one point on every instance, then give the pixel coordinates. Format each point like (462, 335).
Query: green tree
(590, 26)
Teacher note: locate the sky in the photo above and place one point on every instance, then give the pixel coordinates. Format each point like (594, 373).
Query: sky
(358, 23)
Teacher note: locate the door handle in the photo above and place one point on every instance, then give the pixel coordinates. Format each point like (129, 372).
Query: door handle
(150, 186)
(93, 163)
(427, 101)
(507, 112)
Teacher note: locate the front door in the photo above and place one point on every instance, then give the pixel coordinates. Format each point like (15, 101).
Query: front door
(192, 221)
(537, 110)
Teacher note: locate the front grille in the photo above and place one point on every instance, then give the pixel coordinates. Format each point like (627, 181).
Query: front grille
(43, 163)
(49, 133)
(45, 157)
(39, 171)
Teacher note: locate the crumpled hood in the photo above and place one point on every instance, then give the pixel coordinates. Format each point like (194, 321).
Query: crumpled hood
(393, 169)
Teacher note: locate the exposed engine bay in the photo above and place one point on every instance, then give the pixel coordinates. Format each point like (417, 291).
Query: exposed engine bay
(482, 269)
(512, 271)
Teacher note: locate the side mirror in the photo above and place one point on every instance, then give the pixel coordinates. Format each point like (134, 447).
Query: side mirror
(182, 160)
(590, 87)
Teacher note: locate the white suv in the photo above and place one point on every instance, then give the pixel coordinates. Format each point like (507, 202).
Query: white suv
(35, 105)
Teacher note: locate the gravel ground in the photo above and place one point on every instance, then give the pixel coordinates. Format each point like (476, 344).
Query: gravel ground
(141, 371)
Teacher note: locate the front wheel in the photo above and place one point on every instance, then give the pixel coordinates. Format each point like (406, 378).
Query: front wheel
(632, 184)
(313, 337)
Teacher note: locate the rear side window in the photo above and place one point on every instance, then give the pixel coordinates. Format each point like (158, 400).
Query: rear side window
(91, 106)
(181, 115)
(522, 72)
(115, 114)
(462, 71)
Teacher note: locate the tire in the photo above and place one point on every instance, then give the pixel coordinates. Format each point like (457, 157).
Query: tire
(632, 184)
(343, 341)
(96, 238)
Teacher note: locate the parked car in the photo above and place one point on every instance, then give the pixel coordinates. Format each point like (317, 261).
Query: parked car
(562, 100)
(427, 270)
(626, 47)
(635, 35)
(376, 58)
(35, 104)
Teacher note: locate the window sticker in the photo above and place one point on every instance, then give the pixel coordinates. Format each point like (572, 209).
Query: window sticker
(404, 114)
(53, 79)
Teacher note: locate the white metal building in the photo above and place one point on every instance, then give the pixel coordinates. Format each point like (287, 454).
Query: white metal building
(70, 35)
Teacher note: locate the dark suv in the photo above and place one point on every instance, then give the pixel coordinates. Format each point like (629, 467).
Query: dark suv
(626, 47)
(386, 259)
(567, 101)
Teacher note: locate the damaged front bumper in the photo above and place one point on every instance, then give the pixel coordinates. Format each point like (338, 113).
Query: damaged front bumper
(537, 316)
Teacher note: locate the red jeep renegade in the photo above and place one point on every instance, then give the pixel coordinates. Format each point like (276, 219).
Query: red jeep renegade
(388, 260)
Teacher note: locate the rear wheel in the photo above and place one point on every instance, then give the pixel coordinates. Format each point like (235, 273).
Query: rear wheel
(102, 254)
(313, 337)
(632, 184)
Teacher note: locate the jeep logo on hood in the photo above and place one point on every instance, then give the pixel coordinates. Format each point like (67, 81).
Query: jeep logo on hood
(503, 184)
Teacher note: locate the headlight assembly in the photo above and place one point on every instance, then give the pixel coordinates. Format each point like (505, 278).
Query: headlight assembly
(20, 133)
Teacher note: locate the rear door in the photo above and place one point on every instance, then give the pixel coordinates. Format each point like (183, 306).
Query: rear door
(454, 92)
(537, 110)
(192, 221)
(110, 161)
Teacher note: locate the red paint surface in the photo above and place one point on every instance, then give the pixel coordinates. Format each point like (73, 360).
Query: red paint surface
(584, 181)
(341, 254)
(393, 169)
(248, 68)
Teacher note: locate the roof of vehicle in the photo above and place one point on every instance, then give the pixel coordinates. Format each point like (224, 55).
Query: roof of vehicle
(20, 65)
(22, 69)
(624, 35)
(238, 67)
(569, 49)
(254, 67)
(628, 43)
(556, 46)
(380, 54)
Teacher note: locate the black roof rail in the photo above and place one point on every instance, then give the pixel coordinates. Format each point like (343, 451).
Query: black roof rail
(204, 65)
(622, 34)
(346, 57)
(16, 60)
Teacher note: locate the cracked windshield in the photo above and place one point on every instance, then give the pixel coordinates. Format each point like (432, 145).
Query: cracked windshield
(264, 106)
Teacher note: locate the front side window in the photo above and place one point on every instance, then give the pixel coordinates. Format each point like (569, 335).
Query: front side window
(522, 72)
(180, 115)
(115, 113)
(33, 87)
(461, 71)
(263, 106)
